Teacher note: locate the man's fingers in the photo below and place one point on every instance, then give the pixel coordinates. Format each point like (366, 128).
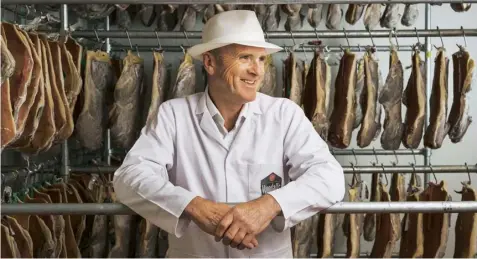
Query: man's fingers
(249, 241)
(230, 234)
(223, 226)
(241, 247)
(238, 238)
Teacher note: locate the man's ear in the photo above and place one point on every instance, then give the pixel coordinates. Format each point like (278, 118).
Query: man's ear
(210, 63)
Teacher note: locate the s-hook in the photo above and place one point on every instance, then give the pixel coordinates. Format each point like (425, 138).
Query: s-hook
(432, 171)
(397, 160)
(468, 173)
(385, 176)
(372, 40)
(375, 156)
(463, 34)
(346, 36)
(129, 39)
(354, 154)
(187, 38)
(440, 36)
(158, 40)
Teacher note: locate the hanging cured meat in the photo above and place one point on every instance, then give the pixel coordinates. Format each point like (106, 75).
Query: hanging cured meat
(391, 98)
(124, 115)
(91, 123)
(342, 117)
(465, 75)
(371, 124)
(438, 127)
(185, 81)
(414, 98)
(316, 93)
(270, 77)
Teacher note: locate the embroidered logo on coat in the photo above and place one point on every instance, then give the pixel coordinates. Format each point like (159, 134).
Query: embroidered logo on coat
(270, 183)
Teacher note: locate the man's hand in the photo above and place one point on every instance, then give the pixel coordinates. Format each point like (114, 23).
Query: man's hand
(243, 222)
(207, 214)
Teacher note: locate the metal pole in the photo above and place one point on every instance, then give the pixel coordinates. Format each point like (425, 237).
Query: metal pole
(279, 34)
(65, 171)
(248, 2)
(427, 154)
(346, 169)
(342, 207)
(306, 47)
(378, 152)
(107, 133)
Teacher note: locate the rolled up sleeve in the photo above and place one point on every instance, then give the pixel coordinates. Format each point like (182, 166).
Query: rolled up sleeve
(142, 181)
(317, 179)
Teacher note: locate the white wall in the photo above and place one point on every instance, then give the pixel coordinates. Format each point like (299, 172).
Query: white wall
(450, 154)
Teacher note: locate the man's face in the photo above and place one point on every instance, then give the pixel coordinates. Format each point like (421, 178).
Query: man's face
(240, 70)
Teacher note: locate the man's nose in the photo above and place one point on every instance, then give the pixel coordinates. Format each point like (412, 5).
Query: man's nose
(256, 68)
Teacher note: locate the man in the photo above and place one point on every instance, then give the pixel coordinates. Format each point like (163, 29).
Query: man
(227, 172)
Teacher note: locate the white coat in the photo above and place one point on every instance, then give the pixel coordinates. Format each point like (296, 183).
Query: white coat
(183, 155)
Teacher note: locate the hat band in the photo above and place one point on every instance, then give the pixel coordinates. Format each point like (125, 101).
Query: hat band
(238, 38)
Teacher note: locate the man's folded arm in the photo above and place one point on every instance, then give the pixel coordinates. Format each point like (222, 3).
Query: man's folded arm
(142, 181)
(317, 178)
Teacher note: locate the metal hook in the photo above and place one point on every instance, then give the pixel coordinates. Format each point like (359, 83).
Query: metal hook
(347, 40)
(293, 38)
(376, 156)
(468, 173)
(371, 36)
(442, 41)
(354, 175)
(354, 154)
(304, 52)
(266, 35)
(396, 38)
(158, 40)
(432, 171)
(413, 155)
(183, 49)
(137, 51)
(187, 38)
(397, 160)
(463, 34)
(129, 39)
(385, 176)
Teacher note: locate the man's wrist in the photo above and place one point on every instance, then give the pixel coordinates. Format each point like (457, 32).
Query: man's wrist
(273, 204)
(192, 210)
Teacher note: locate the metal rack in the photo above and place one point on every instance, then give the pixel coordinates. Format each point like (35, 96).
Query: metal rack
(344, 207)
(230, 1)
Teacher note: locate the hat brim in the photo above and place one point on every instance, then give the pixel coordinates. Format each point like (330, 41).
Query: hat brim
(199, 49)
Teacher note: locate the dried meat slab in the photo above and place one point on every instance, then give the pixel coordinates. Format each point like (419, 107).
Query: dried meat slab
(315, 94)
(8, 61)
(8, 128)
(125, 114)
(66, 128)
(28, 107)
(91, 121)
(72, 78)
(435, 225)
(21, 78)
(342, 117)
(44, 134)
(466, 227)
(158, 88)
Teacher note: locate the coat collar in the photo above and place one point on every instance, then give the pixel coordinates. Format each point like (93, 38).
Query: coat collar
(253, 106)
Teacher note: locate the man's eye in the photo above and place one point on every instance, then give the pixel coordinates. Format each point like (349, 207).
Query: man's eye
(245, 57)
(262, 59)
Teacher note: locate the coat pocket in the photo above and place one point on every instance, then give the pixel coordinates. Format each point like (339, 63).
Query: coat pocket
(264, 178)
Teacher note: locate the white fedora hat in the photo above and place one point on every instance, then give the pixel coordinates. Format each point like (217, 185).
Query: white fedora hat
(232, 27)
